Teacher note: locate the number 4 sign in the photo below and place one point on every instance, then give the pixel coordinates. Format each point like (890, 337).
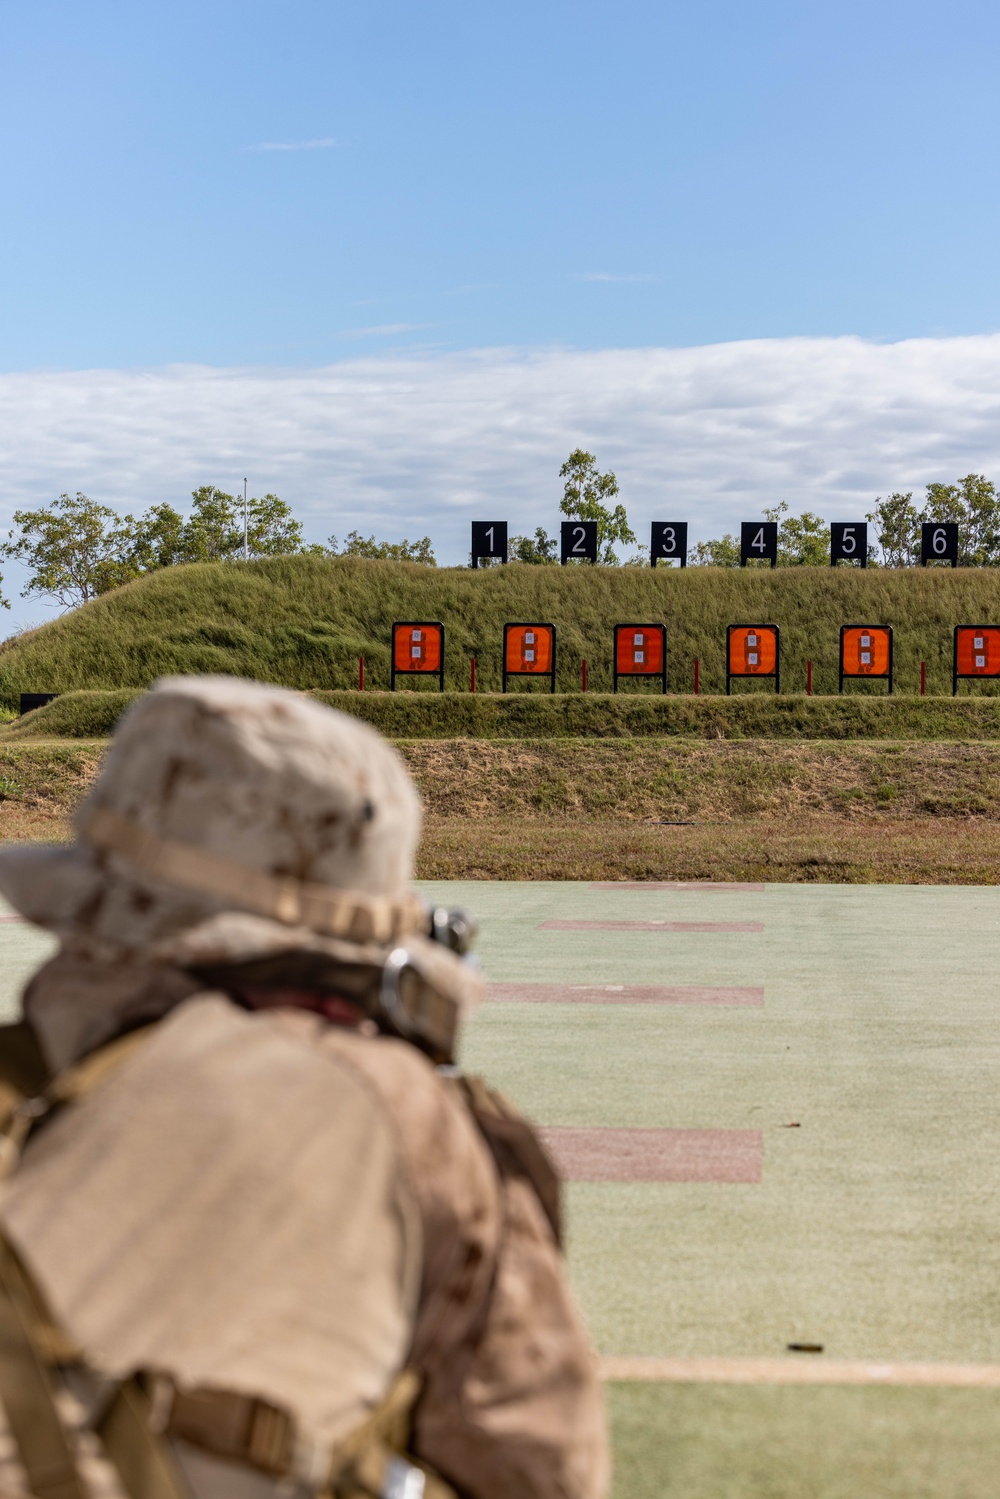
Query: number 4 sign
(759, 542)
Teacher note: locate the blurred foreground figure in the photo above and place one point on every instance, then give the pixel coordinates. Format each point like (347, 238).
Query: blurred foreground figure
(259, 1236)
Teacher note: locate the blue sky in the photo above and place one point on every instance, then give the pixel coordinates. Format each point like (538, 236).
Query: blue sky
(304, 182)
(393, 261)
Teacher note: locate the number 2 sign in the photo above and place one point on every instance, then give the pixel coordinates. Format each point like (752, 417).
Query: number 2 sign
(579, 541)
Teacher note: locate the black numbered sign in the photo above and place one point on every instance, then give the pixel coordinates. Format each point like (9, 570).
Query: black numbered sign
(489, 539)
(939, 542)
(668, 538)
(848, 542)
(579, 541)
(759, 542)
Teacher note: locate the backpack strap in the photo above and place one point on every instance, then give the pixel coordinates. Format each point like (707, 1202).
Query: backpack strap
(513, 1142)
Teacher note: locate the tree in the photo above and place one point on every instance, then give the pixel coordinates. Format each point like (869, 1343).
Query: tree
(897, 529)
(723, 552)
(585, 496)
(539, 549)
(357, 545)
(73, 551)
(972, 502)
(803, 540)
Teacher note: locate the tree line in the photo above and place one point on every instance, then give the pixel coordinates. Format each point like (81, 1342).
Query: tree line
(77, 549)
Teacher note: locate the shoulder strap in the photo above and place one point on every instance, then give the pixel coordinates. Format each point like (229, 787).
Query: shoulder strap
(514, 1143)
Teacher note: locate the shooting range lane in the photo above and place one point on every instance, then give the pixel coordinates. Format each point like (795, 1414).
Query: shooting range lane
(622, 994)
(871, 1073)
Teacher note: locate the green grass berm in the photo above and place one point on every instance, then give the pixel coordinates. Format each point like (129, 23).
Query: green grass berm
(304, 621)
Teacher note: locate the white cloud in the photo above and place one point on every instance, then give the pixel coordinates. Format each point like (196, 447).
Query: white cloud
(408, 445)
(324, 144)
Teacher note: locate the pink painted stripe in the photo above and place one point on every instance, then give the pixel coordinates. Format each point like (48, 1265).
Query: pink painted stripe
(712, 887)
(657, 1155)
(621, 994)
(651, 926)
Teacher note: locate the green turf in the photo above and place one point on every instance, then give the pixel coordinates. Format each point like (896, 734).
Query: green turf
(875, 1228)
(90, 713)
(303, 621)
(719, 1442)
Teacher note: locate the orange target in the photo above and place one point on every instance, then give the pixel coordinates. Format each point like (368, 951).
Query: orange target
(641, 651)
(417, 649)
(977, 652)
(529, 650)
(753, 651)
(866, 651)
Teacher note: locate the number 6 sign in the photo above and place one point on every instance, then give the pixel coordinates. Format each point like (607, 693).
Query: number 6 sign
(579, 541)
(939, 542)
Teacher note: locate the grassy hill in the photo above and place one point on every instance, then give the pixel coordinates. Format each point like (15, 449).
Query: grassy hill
(304, 621)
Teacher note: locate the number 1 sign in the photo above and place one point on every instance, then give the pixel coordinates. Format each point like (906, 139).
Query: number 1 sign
(417, 650)
(489, 539)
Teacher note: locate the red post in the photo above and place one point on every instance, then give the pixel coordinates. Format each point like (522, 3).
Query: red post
(583, 674)
(472, 674)
(923, 678)
(697, 687)
(809, 679)
(361, 673)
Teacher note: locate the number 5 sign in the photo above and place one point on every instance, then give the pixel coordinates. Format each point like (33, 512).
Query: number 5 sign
(848, 542)
(579, 541)
(759, 542)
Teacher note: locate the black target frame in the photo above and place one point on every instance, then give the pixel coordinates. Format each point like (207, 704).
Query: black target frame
(415, 624)
(529, 624)
(969, 676)
(642, 676)
(754, 676)
(865, 676)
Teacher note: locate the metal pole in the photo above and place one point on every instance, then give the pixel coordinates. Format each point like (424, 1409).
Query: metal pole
(472, 674)
(361, 673)
(697, 685)
(583, 669)
(246, 547)
(809, 679)
(923, 678)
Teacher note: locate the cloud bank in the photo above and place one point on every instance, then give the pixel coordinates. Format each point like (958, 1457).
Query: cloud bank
(424, 443)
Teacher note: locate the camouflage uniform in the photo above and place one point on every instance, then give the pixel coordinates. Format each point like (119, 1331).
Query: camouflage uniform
(256, 1248)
